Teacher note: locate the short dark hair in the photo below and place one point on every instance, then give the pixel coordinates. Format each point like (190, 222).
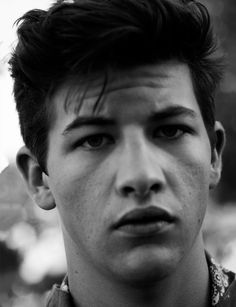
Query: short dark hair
(80, 37)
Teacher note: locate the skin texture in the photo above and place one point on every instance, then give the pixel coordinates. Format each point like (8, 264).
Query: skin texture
(98, 173)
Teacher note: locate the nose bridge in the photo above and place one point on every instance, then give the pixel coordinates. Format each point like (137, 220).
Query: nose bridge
(137, 155)
(139, 171)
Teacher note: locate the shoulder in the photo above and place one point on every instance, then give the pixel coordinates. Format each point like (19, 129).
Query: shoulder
(229, 299)
(59, 297)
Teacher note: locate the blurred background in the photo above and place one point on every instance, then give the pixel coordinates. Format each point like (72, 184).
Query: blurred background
(31, 249)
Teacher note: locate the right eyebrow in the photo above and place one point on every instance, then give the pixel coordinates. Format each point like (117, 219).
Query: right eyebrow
(87, 121)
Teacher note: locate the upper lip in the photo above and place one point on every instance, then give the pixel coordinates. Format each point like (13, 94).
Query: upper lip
(142, 216)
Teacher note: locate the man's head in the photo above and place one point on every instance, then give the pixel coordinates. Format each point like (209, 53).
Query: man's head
(82, 39)
(116, 104)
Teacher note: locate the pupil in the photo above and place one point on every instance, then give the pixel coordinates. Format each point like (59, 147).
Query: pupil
(169, 131)
(95, 141)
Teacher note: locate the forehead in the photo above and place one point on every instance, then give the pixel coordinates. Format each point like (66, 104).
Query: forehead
(145, 87)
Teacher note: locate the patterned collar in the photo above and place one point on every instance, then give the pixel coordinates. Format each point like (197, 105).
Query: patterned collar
(221, 280)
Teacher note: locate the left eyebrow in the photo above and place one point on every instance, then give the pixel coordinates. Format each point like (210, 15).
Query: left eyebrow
(172, 111)
(87, 121)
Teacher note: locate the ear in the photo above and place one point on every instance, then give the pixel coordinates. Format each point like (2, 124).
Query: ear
(217, 151)
(36, 180)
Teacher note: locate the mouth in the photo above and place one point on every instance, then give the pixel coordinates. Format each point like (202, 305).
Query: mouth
(144, 222)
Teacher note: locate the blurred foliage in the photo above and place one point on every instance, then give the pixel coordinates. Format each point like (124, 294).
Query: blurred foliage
(32, 256)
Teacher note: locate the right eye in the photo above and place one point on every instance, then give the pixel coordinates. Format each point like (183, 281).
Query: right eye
(95, 141)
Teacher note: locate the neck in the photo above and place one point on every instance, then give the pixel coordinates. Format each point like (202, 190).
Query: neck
(187, 286)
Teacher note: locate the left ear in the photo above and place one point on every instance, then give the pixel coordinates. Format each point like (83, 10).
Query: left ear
(217, 150)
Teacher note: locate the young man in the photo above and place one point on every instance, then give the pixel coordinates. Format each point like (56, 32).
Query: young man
(116, 107)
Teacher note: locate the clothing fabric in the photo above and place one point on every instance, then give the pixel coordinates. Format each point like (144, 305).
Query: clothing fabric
(223, 288)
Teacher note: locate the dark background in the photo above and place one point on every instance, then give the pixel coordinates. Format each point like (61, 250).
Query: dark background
(224, 16)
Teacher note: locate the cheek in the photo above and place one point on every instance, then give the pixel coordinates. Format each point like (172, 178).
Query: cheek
(195, 180)
(76, 193)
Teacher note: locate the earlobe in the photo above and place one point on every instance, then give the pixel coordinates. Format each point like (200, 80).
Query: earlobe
(217, 151)
(35, 179)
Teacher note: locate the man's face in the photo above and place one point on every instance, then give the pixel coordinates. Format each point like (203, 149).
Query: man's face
(131, 181)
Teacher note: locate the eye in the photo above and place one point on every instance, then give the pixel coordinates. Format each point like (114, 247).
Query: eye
(170, 131)
(96, 141)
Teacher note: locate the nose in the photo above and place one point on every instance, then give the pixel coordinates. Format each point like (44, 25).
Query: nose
(139, 172)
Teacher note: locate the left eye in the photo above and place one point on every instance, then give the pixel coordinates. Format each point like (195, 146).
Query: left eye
(170, 132)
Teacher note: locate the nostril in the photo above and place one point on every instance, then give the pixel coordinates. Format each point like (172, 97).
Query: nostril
(155, 188)
(141, 190)
(128, 190)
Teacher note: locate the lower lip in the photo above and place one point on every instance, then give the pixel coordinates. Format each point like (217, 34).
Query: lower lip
(147, 229)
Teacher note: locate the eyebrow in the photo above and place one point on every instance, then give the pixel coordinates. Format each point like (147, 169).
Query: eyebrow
(169, 112)
(88, 121)
(173, 111)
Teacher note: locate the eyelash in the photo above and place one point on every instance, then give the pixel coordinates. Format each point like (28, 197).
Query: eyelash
(182, 128)
(107, 139)
(81, 142)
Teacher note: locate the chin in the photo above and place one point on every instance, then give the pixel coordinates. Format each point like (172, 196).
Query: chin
(148, 266)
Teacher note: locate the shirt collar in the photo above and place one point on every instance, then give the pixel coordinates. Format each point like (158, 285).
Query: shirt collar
(221, 280)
